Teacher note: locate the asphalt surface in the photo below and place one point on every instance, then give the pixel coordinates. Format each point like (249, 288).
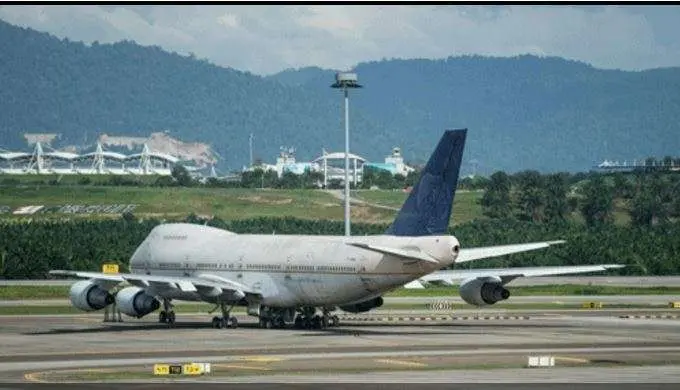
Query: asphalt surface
(597, 346)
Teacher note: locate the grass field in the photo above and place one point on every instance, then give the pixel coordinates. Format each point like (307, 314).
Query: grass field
(61, 292)
(466, 206)
(229, 203)
(232, 203)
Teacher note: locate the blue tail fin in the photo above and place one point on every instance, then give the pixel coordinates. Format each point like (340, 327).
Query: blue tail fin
(427, 210)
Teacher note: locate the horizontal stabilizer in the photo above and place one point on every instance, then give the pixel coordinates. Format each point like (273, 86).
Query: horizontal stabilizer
(469, 254)
(414, 285)
(403, 253)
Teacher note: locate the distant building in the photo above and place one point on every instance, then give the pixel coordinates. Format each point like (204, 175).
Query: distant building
(285, 162)
(394, 164)
(332, 165)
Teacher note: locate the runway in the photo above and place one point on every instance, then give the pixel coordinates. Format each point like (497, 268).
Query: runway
(597, 346)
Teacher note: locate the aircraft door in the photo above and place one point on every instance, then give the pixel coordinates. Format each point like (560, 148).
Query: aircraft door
(368, 281)
(189, 266)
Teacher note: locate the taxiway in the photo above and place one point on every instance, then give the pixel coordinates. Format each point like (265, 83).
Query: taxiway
(588, 345)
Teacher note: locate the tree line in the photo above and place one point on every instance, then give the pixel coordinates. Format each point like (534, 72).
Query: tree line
(30, 250)
(645, 198)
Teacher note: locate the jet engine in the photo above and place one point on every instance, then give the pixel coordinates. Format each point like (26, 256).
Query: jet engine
(134, 302)
(363, 306)
(483, 291)
(88, 296)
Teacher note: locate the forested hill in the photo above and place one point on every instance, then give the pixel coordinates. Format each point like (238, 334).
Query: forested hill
(523, 113)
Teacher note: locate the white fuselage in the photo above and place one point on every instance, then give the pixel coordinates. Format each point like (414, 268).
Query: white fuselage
(286, 270)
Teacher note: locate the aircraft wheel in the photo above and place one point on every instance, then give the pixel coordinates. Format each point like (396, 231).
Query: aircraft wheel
(162, 317)
(223, 323)
(298, 322)
(171, 318)
(316, 322)
(335, 321)
(216, 322)
(234, 322)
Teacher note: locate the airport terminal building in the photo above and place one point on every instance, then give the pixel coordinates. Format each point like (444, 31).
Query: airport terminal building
(98, 162)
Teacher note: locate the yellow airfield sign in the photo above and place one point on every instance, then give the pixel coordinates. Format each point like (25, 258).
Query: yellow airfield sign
(110, 268)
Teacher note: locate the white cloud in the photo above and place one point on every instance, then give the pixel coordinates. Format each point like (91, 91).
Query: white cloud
(268, 38)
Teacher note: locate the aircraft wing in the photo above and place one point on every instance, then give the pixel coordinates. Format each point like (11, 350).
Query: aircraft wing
(143, 281)
(506, 274)
(403, 253)
(469, 254)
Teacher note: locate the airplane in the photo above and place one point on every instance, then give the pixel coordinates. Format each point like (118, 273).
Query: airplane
(301, 280)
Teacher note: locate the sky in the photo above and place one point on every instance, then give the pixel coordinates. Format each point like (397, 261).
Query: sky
(265, 39)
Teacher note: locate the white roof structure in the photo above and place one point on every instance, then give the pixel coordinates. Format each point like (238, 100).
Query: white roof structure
(61, 155)
(105, 154)
(15, 155)
(156, 155)
(41, 162)
(338, 156)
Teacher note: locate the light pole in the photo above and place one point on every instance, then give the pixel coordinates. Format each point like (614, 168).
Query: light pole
(345, 81)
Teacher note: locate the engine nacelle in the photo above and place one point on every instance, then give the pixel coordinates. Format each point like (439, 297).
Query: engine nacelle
(88, 296)
(363, 306)
(133, 301)
(483, 291)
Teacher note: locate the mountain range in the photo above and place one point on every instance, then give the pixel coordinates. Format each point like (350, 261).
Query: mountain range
(524, 112)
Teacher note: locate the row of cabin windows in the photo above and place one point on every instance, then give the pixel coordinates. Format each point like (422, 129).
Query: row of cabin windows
(265, 267)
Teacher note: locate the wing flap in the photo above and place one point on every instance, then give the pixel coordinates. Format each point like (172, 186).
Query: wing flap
(508, 274)
(469, 254)
(402, 253)
(143, 281)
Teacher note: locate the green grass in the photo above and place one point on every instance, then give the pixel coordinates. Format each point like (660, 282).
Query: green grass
(232, 203)
(466, 205)
(68, 309)
(567, 289)
(61, 292)
(11, 293)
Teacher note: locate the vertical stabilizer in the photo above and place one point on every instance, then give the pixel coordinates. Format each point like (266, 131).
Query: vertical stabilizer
(427, 209)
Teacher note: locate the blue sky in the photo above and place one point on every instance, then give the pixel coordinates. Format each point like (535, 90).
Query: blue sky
(265, 39)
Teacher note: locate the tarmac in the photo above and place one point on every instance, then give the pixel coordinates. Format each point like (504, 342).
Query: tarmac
(602, 346)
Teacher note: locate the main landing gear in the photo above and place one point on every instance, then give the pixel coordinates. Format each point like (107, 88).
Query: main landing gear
(226, 321)
(279, 318)
(308, 319)
(167, 315)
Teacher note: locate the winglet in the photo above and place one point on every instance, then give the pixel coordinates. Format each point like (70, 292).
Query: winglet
(427, 209)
